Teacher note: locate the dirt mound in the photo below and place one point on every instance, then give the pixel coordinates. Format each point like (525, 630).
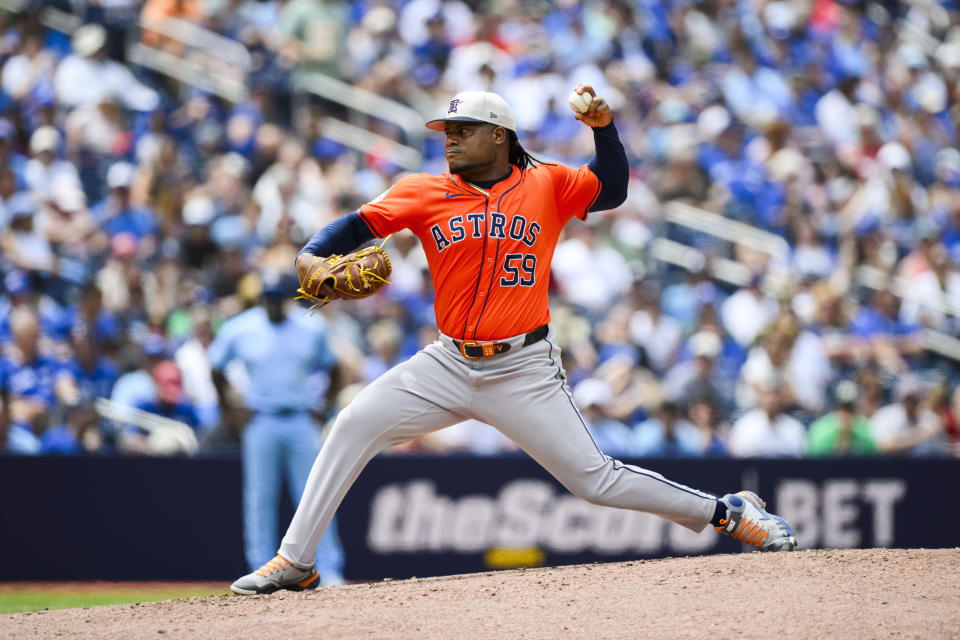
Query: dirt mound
(809, 594)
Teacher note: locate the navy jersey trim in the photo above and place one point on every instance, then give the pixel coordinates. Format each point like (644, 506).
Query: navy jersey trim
(483, 254)
(369, 224)
(593, 200)
(496, 260)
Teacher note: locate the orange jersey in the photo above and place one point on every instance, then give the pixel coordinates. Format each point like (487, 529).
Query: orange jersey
(489, 255)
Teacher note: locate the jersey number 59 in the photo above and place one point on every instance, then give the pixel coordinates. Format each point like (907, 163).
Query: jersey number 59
(521, 270)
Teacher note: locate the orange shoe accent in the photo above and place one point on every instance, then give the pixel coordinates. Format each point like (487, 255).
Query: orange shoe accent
(750, 533)
(723, 524)
(279, 563)
(306, 583)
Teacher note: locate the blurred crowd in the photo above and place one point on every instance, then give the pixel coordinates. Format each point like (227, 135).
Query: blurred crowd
(138, 214)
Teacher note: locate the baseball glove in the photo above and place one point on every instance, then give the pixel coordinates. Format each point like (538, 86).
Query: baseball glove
(350, 277)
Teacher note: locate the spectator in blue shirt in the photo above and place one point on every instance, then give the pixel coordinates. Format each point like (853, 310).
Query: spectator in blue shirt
(103, 327)
(80, 434)
(32, 381)
(890, 341)
(667, 435)
(699, 375)
(94, 374)
(136, 386)
(170, 401)
(881, 318)
(703, 414)
(12, 161)
(116, 214)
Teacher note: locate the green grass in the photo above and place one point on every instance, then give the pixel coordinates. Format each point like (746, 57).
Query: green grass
(15, 598)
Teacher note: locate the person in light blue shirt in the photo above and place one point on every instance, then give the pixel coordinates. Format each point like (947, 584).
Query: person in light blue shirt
(667, 435)
(281, 354)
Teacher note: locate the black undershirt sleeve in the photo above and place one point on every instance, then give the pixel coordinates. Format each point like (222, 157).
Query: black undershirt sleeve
(342, 236)
(611, 167)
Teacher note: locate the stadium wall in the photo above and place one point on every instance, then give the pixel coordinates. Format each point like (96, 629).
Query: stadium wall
(128, 518)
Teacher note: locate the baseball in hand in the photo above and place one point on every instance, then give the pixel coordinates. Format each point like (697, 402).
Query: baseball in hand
(580, 102)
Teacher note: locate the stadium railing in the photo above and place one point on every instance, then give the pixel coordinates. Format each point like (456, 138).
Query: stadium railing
(51, 17)
(357, 101)
(165, 436)
(193, 55)
(737, 274)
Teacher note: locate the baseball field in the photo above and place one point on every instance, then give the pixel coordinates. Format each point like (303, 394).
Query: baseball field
(850, 594)
(17, 597)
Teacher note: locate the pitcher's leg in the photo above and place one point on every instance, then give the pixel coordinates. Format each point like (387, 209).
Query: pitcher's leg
(539, 415)
(416, 397)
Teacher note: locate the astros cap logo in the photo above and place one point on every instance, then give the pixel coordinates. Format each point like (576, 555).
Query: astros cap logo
(453, 105)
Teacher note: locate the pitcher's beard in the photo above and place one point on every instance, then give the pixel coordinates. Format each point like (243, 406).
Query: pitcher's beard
(469, 168)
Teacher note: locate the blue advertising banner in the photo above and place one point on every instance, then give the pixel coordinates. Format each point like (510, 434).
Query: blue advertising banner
(123, 518)
(153, 519)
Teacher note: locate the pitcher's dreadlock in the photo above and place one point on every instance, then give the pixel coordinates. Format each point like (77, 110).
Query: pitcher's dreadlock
(519, 156)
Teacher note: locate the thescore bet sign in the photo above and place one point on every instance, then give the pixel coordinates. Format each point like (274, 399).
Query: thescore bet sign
(413, 517)
(433, 516)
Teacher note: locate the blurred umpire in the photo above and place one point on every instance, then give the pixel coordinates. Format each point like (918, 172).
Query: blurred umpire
(280, 354)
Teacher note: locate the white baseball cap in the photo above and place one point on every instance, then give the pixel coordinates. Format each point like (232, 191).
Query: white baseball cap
(45, 138)
(705, 344)
(477, 106)
(198, 210)
(120, 175)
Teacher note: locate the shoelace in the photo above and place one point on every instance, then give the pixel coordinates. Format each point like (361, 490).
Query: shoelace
(750, 532)
(279, 563)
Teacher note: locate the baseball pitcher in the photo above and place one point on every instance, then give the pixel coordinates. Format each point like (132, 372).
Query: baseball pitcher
(489, 227)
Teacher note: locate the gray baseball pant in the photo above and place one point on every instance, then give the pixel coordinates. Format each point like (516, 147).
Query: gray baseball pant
(523, 393)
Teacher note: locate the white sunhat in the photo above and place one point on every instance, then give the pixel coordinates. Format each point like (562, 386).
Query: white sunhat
(88, 39)
(894, 155)
(477, 106)
(592, 391)
(45, 138)
(69, 198)
(66, 194)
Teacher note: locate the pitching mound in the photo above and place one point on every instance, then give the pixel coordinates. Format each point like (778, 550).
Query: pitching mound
(809, 594)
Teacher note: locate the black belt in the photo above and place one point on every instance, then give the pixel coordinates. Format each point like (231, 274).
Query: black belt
(283, 412)
(473, 349)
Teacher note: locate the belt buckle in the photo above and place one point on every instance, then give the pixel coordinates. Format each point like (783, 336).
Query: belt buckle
(488, 348)
(471, 343)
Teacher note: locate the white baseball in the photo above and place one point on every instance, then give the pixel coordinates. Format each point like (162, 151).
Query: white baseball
(580, 102)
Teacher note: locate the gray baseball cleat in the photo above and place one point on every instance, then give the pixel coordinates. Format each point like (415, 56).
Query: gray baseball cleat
(748, 521)
(276, 574)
